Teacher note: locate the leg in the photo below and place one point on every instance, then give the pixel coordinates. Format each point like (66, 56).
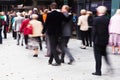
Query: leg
(53, 44)
(0, 36)
(5, 32)
(40, 44)
(18, 38)
(98, 59)
(26, 40)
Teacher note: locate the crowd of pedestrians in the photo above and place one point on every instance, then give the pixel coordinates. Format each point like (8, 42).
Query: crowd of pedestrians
(55, 26)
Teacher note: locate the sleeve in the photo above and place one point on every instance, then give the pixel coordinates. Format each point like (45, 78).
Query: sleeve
(79, 21)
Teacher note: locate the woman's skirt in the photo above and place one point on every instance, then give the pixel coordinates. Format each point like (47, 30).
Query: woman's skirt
(114, 39)
(33, 43)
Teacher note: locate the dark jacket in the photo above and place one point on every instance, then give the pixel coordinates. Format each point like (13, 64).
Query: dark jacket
(53, 24)
(100, 30)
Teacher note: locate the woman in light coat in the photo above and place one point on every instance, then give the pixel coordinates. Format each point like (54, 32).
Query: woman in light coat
(34, 38)
(114, 32)
(83, 23)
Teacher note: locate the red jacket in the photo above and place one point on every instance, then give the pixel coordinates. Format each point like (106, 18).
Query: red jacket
(23, 26)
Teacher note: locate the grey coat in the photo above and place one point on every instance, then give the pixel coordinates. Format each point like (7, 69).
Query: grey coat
(67, 26)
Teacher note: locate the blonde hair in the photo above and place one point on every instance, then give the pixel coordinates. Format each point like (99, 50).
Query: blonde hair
(117, 11)
(83, 12)
(101, 9)
(34, 16)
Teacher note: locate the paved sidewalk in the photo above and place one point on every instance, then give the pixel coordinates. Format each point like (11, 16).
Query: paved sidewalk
(17, 63)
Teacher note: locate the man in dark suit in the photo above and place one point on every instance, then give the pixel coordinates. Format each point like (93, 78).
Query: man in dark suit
(100, 38)
(53, 28)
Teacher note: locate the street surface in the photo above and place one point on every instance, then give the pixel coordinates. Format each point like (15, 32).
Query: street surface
(18, 63)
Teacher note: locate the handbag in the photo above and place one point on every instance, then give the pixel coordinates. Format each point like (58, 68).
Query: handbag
(29, 29)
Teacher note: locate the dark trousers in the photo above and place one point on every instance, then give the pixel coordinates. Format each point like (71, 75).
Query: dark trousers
(84, 37)
(64, 49)
(5, 31)
(14, 34)
(26, 39)
(100, 51)
(53, 46)
(40, 44)
(90, 36)
(0, 36)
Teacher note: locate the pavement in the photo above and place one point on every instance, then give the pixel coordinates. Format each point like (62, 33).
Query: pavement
(18, 63)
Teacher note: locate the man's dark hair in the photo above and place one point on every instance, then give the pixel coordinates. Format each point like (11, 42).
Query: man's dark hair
(53, 5)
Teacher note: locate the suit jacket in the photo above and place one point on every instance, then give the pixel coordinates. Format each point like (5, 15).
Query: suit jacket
(67, 26)
(100, 30)
(53, 24)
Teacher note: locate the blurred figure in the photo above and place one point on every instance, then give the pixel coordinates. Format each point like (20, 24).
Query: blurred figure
(114, 31)
(1, 25)
(17, 23)
(5, 24)
(35, 36)
(100, 39)
(53, 28)
(24, 24)
(36, 11)
(83, 24)
(90, 24)
(66, 34)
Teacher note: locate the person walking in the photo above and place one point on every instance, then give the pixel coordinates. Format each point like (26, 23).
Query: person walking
(114, 32)
(1, 25)
(22, 30)
(53, 28)
(83, 23)
(66, 34)
(90, 24)
(100, 39)
(17, 23)
(34, 38)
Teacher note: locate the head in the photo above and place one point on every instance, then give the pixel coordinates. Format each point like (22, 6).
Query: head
(83, 12)
(101, 10)
(53, 5)
(118, 11)
(65, 8)
(34, 16)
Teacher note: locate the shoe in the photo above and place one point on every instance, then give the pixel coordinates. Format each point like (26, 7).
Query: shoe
(90, 45)
(83, 47)
(71, 61)
(17, 43)
(26, 47)
(56, 64)
(62, 61)
(97, 74)
(49, 62)
(21, 44)
(35, 55)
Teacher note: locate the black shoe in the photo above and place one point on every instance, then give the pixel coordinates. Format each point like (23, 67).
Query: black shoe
(26, 47)
(62, 61)
(21, 44)
(71, 61)
(97, 74)
(56, 64)
(35, 55)
(49, 62)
